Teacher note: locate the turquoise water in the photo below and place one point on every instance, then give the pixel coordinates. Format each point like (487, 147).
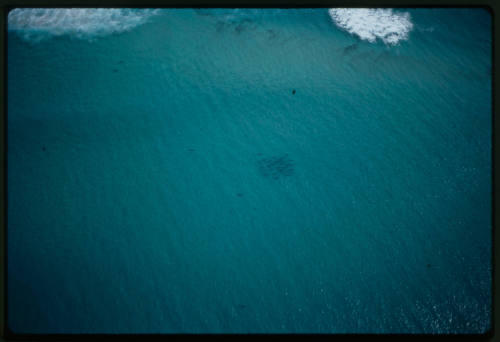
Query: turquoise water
(166, 178)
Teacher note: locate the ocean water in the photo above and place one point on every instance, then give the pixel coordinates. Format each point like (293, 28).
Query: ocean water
(249, 171)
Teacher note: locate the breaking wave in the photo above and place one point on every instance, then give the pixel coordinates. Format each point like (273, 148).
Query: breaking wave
(38, 23)
(372, 24)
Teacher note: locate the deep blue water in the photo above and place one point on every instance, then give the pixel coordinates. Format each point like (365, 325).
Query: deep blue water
(165, 179)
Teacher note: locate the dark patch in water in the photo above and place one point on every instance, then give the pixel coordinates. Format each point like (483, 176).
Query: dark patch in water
(191, 150)
(238, 27)
(239, 194)
(293, 92)
(43, 148)
(115, 70)
(272, 33)
(244, 25)
(428, 265)
(349, 49)
(121, 62)
(220, 25)
(276, 167)
(241, 306)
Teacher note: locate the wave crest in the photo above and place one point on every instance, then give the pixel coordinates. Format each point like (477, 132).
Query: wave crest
(37, 23)
(372, 23)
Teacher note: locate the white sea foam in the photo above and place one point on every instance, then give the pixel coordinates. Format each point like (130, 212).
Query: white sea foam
(37, 23)
(372, 24)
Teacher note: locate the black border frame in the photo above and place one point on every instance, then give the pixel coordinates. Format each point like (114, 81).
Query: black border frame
(7, 334)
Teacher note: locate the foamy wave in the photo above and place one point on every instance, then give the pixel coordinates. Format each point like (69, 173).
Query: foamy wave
(370, 24)
(37, 23)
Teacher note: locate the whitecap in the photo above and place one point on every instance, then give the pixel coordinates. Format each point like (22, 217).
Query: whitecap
(38, 23)
(373, 23)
